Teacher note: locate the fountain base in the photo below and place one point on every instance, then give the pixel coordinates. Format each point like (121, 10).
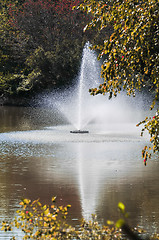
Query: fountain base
(79, 131)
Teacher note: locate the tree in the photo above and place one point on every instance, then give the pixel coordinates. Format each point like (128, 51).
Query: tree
(56, 34)
(49, 21)
(12, 52)
(41, 45)
(130, 53)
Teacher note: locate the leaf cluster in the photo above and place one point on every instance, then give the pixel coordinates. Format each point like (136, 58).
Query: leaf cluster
(131, 53)
(152, 125)
(38, 221)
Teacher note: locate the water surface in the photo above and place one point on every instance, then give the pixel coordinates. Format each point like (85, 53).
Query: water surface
(40, 158)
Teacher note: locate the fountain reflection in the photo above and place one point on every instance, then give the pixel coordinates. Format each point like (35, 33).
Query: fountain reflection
(92, 172)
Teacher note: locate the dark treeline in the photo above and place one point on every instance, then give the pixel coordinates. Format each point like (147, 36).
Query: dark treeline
(41, 44)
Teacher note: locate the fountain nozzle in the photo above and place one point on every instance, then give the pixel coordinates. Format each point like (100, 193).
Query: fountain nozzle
(79, 131)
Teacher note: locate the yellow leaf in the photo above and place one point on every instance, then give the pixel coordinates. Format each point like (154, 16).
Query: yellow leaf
(107, 65)
(47, 211)
(53, 199)
(110, 222)
(121, 206)
(120, 223)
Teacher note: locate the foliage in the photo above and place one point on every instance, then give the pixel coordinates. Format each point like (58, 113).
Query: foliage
(152, 125)
(55, 38)
(46, 21)
(134, 234)
(39, 221)
(40, 45)
(130, 54)
(12, 52)
(56, 67)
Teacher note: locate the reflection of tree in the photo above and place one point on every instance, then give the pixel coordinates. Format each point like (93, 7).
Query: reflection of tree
(13, 118)
(93, 177)
(28, 173)
(10, 187)
(112, 178)
(139, 197)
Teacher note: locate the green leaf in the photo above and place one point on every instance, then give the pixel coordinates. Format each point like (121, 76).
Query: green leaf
(120, 223)
(121, 206)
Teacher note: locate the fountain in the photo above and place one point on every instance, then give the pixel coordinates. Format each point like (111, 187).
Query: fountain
(87, 169)
(105, 120)
(85, 112)
(75, 104)
(87, 77)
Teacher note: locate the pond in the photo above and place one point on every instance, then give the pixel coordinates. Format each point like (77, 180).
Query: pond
(40, 158)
